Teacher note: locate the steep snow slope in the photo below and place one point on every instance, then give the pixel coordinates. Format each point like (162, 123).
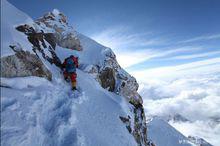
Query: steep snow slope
(90, 47)
(10, 17)
(163, 134)
(45, 113)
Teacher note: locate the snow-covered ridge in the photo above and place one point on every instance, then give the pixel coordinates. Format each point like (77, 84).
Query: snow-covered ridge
(46, 112)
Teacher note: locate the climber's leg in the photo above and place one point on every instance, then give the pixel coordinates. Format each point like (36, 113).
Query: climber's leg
(65, 75)
(73, 80)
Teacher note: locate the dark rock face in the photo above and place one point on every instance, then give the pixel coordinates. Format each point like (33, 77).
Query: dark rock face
(50, 38)
(139, 129)
(38, 40)
(22, 64)
(107, 78)
(126, 120)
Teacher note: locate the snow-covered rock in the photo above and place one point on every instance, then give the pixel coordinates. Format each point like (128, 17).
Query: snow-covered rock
(22, 64)
(198, 141)
(56, 22)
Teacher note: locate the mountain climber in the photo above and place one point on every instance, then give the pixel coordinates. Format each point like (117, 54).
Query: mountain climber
(69, 69)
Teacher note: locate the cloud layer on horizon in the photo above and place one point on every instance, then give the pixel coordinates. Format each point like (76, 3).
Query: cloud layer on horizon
(195, 97)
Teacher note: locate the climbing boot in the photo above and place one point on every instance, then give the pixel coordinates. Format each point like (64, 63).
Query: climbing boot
(74, 85)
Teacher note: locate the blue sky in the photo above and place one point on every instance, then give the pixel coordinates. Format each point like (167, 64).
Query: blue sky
(145, 34)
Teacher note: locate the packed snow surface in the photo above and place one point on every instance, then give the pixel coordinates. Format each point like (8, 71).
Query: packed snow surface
(49, 113)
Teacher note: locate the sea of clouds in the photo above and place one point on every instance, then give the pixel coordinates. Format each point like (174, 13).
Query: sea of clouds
(195, 97)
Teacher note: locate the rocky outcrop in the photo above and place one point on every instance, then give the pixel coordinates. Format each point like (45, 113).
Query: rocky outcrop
(42, 43)
(56, 23)
(23, 64)
(113, 78)
(139, 129)
(107, 78)
(126, 86)
(49, 31)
